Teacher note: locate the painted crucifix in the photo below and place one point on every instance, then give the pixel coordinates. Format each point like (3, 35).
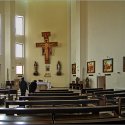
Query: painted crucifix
(47, 46)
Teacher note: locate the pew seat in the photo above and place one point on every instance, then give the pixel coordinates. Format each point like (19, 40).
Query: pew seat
(24, 120)
(35, 121)
(52, 102)
(92, 121)
(54, 110)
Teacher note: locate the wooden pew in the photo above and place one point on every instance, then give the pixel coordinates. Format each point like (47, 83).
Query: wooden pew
(26, 120)
(92, 121)
(102, 92)
(77, 86)
(113, 98)
(53, 90)
(100, 95)
(4, 91)
(32, 120)
(13, 92)
(115, 92)
(53, 94)
(108, 96)
(121, 103)
(84, 91)
(91, 92)
(8, 92)
(54, 111)
(52, 102)
(52, 97)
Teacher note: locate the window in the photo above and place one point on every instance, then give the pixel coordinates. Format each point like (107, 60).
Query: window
(0, 35)
(19, 50)
(19, 70)
(19, 25)
(19, 45)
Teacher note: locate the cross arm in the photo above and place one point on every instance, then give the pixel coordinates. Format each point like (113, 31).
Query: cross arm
(40, 44)
(53, 43)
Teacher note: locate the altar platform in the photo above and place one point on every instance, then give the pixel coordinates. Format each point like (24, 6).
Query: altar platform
(43, 85)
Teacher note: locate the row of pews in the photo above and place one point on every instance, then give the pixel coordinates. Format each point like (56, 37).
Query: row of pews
(6, 93)
(108, 96)
(62, 107)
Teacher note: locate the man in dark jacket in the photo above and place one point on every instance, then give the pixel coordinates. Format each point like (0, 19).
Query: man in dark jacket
(23, 86)
(33, 86)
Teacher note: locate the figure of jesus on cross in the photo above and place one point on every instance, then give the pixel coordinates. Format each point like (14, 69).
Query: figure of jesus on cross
(47, 46)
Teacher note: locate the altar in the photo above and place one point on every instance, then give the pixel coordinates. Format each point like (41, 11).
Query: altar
(43, 85)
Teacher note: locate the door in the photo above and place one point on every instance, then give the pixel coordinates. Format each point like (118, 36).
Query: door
(101, 82)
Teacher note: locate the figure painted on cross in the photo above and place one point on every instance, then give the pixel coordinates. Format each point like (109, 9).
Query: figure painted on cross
(47, 46)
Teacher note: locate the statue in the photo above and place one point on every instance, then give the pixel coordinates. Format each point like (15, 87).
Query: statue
(58, 68)
(36, 69)
(77, 80)
(87, 82)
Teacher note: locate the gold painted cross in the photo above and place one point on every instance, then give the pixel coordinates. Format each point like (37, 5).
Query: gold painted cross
(47, 46)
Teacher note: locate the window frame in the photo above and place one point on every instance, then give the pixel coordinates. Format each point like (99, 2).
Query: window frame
(16, 33)
(22, 50)
(22, 70)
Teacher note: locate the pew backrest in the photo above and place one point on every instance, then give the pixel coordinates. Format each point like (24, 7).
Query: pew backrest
(53, 94)
(52, 97)
(83, 91)
(55, 90)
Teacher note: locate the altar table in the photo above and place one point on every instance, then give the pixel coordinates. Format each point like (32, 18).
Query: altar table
(40, 84)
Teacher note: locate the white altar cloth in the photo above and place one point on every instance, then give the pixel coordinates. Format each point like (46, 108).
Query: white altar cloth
(48, 84)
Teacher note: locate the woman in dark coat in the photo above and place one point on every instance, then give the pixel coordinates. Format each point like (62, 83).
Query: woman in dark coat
(33, 86)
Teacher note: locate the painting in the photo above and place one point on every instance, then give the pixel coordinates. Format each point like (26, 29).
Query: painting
(108, 65)
(124, 64)
(47, 68)
(74, 68)
(91, 67)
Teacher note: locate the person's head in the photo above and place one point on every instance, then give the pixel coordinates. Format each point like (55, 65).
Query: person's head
(22, 78)
(35, 81)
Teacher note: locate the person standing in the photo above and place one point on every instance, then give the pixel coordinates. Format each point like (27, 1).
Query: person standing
(23, 86)
(33, 86)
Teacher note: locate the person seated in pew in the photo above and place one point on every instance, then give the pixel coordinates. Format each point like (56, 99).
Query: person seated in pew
(33, 86)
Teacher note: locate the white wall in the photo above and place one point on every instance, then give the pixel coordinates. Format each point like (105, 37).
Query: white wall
(2, 62)
(106, 39)
(44, 16)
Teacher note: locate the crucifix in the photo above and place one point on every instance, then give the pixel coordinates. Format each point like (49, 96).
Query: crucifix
(47, 46)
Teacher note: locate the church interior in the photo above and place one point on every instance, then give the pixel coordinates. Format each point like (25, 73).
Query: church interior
(74, 51)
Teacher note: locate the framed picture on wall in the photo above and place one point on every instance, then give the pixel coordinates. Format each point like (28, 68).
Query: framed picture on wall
(124, 64)
(108, 65)
(74, 68)
(91, 67)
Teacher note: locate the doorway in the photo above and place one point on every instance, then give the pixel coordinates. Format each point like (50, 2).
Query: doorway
(101, 82)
